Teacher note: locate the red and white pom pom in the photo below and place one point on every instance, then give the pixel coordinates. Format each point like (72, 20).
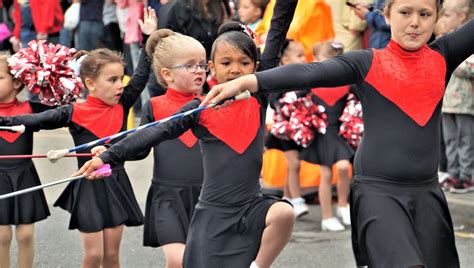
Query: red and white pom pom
(44, 69)
(299, 119)
(281, 127)
(352, 127)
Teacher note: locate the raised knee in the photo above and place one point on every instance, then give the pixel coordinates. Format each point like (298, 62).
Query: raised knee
(282, 213)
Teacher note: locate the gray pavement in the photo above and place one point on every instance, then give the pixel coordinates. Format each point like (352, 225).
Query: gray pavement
(56, 246)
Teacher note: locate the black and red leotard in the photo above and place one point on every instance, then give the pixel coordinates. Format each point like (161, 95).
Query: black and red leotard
(395, 186)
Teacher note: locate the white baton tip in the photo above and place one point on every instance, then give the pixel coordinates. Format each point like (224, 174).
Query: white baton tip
(20, 128)
(55, 154)
(243, 96)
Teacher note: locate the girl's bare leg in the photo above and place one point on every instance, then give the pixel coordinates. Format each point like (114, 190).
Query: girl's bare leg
(5, 242)
(324, 192)
(25, 237)
(112, 239)
(278, 227)
(174, 253)
(93, 249)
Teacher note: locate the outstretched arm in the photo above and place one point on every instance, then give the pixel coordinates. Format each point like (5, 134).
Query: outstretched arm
(350, 68)
(50, 119)
(141, 141)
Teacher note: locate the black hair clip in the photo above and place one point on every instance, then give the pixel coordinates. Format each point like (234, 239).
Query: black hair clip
(246, 30)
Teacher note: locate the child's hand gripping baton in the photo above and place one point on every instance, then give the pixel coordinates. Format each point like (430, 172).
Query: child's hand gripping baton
(55, 154)
(105, 170)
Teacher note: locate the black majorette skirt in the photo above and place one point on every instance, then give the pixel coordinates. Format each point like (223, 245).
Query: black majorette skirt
(168, 213)
(99, 204)
(401, 225)
(226, 235)
(327, 149)
(26, 208)
(279, 144)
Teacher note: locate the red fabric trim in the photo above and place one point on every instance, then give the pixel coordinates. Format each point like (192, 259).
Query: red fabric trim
(331, 95)
(11, 109)
(100, 119)
(413, 81)
(236, 125)
(168, 104)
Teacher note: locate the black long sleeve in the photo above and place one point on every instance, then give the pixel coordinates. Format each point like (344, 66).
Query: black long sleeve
(138, 81)
(350, 68)
(456, 46)
(145, 139)
(50, 119)
(281, 20)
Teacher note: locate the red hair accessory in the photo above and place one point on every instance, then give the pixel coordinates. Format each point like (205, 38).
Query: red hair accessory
(246, 30)
(44, 69)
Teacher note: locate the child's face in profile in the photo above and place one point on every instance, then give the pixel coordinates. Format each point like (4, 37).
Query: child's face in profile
(451, 20)
(8, 86)
(230, 63)
(248, 12)
(108, 85)
(294, 53)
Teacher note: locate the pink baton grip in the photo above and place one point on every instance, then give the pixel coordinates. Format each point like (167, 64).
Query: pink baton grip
(104, 170)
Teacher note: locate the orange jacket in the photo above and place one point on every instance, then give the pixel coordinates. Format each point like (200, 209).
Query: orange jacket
(47, 16)
(311, 24)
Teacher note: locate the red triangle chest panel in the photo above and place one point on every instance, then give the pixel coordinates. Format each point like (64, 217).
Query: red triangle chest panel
(166, 105)
(236, 125)
(12, 109)
(100, 119)
(331, 95)
(413, 81)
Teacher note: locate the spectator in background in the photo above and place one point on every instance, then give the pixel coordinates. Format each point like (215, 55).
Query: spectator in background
(348, 26)
(311, 24)
(199, 19)
(458, 107)
(251, 12)
(90, 31)
(113, 39)
(36, 19)
(379, 30)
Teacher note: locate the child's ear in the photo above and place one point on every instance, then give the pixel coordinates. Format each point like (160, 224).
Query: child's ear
(17, 85)
(166, 74)
(89, 83)
(212, 68)
(256, 66)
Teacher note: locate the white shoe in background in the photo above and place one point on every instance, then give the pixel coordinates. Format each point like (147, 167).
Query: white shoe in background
(253, 265)
(442, 176)
(332, 225)
(299, 206)
(345, 214)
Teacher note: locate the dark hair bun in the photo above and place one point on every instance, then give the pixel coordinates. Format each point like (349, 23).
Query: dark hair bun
(230, 27)
(155, 38)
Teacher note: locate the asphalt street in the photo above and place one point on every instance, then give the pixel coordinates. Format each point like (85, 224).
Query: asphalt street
(56, 246)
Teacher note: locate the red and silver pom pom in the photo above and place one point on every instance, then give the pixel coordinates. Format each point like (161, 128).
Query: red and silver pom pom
(352, 127)
(44, 69)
